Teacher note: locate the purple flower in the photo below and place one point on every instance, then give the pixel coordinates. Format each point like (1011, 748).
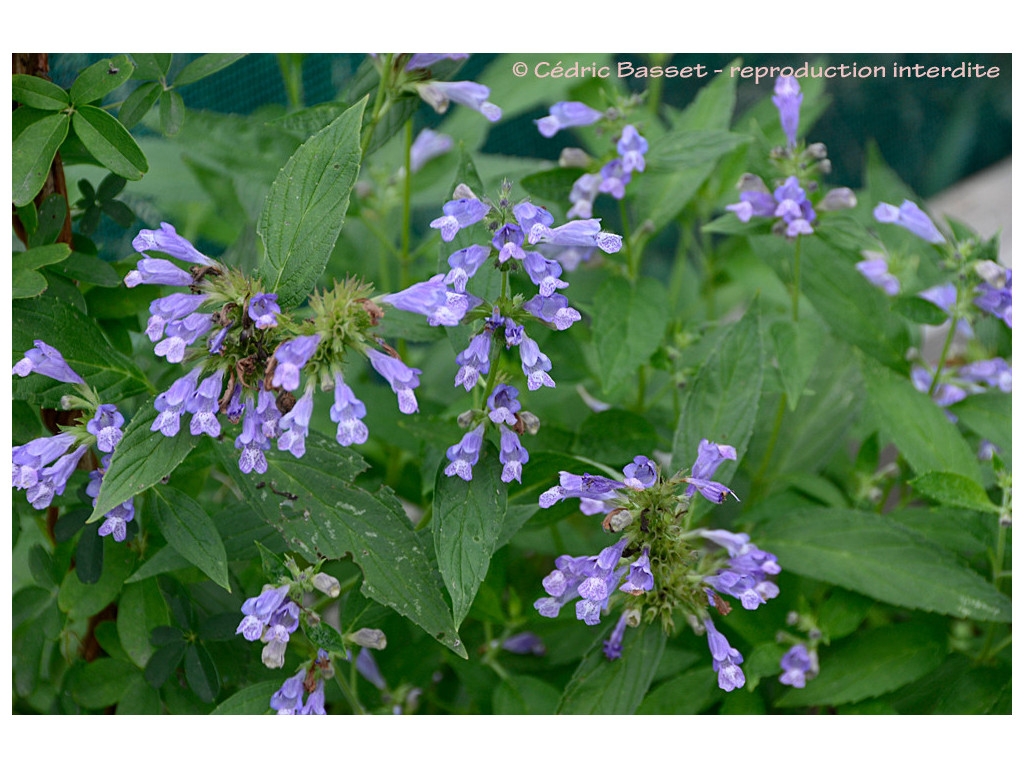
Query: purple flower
(367, 667)
(169, 308)
(266, 407)
(997, 298)
(204, 404)
(726, 659)
(29, 459)
(994, 373)
(346, 413)
(465, 454)
(167, 240)
(586, 232)
(524, 643)
(157, 272)
(252, 441)
(544, 273)
(585, 486)
(464, 263)
(291, 357)
(435, 301)
(512, 456)
(315, 702)
(281, 624)
(945, 394)
(474, 360)
(295, 425)
(459, 214)
(911, 218)
(942, 296)
(52, 480)
(259, 610)
(614, 178)
(287, 700)
(403, 379)
(794, 208)
(106, 426)
(796, 664)
(182, 333)
(529, 215)
(755, 199)
(171, 403)
(552, 309)
(613, 645)
(509, 242)
(263, 309)
(424, 60)
(216, 342)
(116, 520)
(745, 575)
(640, 577)
(567, 114)
(641, 472)
(601, 580)
(235, 407)
(584, 191)
(876, 271)
(788, 98)
(473, 95)
(513, 333)
(535, 364)
(631, 147)
(709, 457)
(503, 405)
(428, 145)
(47, 361)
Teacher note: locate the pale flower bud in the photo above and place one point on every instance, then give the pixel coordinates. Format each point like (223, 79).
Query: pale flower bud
(327, 584)
(369, 638)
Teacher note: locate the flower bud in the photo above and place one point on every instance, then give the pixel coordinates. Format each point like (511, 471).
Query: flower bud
(369, 638)
(817, 151)
(465, 419)
(750, 182)
(989, 271)
(620, 520)
(573, 157)
(65, 403)
(327, 584)
(632, 617)
(463, 192)
(838, 199)
(792, 618)
(530, 422)
(825, 166)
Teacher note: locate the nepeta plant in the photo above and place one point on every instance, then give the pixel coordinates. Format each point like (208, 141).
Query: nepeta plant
(342, 432)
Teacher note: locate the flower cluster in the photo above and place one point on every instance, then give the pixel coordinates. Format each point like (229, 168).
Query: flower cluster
(956, 383)
(657, 566)
(288, 699)
(43, 467)
(789, 204)
(444, 300)
(254, 355)
(272, 617)
(416, 76)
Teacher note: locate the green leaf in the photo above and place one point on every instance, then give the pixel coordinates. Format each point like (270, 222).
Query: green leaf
(41, 256)
(204, 66)
(323, 635)
(310, 502)
(688, 694)
(143, 458)
(989, 415)
(109, 142)
(80, 601)
(163, 662)
(603, 687)
(138, 103)
(140, 610)
(918, 427)
(32, 155)
(100, 683)
(26, 283)
(957, 687)
(139, 698)
(52, 213)
(871, 663)
(877, 557)
(467, 523)
(552, 185)
(151, 66)
(88, 269)
(680, 149)
(305, 210)
(164, 560)
(99, 79)
(172, 112)
(466, 173)
(191, 532)
(954, 490)
(625, 339)
(797, 349)
(919, 310)
(525, 695)
(39, 93)
(721, 405)
(254, 700)
(201, 672)
(305, 122)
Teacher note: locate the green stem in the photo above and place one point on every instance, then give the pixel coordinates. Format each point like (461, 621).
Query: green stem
(796, 279)
(348, 690)
(291, 73)
(757, 485)
(945, 346)
(641, 387)
(378, 102)
(406, 206)
(632, 257)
